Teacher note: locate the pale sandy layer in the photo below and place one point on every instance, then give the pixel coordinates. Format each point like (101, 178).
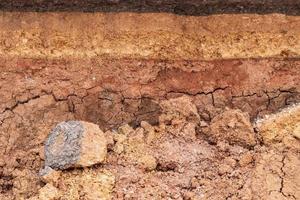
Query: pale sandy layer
(283, 127)
(151, 36)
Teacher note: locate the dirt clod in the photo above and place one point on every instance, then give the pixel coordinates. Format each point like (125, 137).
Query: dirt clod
(246, 159)
(234, 127)
(296, 131)
(49, 175)
(281, 127)
(48, 192)
(148, 162)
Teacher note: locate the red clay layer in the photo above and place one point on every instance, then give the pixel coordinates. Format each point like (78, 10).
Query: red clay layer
(112, 92)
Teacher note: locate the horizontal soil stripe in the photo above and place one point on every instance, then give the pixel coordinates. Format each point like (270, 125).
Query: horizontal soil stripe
(97, 89)
(182, 7)
(163, 36)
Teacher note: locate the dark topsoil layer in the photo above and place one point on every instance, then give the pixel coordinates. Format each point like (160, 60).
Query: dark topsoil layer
(190, 7)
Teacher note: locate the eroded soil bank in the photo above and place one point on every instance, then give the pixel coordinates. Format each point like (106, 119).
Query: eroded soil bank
(190, 88)
(183, 157)
(37, 94)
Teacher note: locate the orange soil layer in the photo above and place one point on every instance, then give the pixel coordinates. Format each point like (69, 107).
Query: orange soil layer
(148, 35)
(110, 92)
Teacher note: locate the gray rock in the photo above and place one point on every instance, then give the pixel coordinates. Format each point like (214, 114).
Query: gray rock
(75, 144)
(63, 145)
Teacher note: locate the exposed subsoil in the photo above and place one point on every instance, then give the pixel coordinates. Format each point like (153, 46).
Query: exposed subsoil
(113, 92)
(182, 158)
(37, 94)
(182, 100)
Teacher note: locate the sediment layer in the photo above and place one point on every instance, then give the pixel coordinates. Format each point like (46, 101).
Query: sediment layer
(110, 92)
(148, 36)
(183, 7)
(117, 68)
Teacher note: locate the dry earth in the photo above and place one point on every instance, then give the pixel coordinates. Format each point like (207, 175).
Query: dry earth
(177, 160)
(195, 91)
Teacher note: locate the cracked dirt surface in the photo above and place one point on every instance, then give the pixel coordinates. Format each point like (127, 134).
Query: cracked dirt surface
(276, 176)
(113, 92)
(142, 163)
(195, 92)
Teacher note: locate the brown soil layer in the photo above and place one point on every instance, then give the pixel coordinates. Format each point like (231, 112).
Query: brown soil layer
(164, 36)
(111, 92)
(183, 7)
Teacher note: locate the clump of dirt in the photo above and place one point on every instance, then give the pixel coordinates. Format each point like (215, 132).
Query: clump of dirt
(234, 127)
(177, 160)
(282, 128)
(79, 184)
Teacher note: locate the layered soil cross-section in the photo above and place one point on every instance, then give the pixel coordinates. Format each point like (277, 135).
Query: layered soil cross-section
(188, 86)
